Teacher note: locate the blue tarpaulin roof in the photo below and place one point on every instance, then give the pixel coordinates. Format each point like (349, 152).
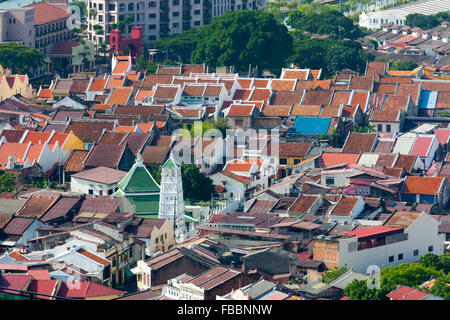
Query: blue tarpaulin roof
(311, 125)
(428, 100)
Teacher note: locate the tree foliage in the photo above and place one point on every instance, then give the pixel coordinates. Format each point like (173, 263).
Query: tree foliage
(7, 181)
(406, 65)
(326, 22)
(329, 55)
(241, 38)
(20, 58)
(180, 46)
(219, 124)
(334, 274)
(196, 186)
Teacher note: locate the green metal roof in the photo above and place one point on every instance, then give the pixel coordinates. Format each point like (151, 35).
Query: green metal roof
(138, 179)
(170, 163)
(145, 203)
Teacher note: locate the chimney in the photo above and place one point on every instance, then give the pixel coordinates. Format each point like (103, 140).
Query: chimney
(10, 162)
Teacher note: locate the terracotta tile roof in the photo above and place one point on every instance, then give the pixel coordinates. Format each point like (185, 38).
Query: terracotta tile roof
(192, 68)
(260, 83)
(36, 137)
(169, 70)
(193, 90)
(259, 104)
(306, 110)
(341, 97)
(98, 84)
(165, 92)
(317, 97)
(239, 166)
(322, 84)
(133, 75)
(359, 142)
(64, 115)
(400, 80)
(74, 162)
(120, 95)
(105, 155)
(124, 129)
(409, 89)
(282, 85)
(136, 141)
(17, 150)
(261, 95)
(300, 74)
(89, 131)
(385, 160)
(422, 185)
(361, 83)
(155, 154)
(344, 207)
(17, 225)
(435, 86)
(395, 102)
(405, 161)
(277, 111)
(123, 64)
(245, 83)
(212, 91)
(443, 100)
(240, 110)
(388, 88)
(332, 159)
(385, 115)
(45, 13)
(115, 81)
(12, 135)
(99, 204)
(93, 257)
(304, 85)
(152, 79)
(59, 209)
(112, 137)
(393, 172)
(45, 93)
(34, 153)
(315, 73)
(329, 112)
(144, 112)
(101, 107)
(241, 94)
(294, 149)
(376, 68)
(188, 112)
(37, 205)
(64, 47)
(286, 98)
(303, 204)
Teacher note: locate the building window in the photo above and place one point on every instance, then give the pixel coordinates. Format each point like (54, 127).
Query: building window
(112, 7)
(152, 4)
(196, 23)
(91, 191)
(152, 16)
(329, 180)
(416, 252)
(296, 161)
(400, 256)
(196, 12)
(391, 258)
(380, 127)
(430, 249)
(151, 26)
(100, 7)
(175, 14)
(283, 161)
(388, 128)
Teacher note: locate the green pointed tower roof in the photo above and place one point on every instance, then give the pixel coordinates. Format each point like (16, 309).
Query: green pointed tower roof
(170, 163)
(138, 179)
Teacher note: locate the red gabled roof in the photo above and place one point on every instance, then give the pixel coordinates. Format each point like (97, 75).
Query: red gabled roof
(45, 13)
(86, 289)
(371, 231)
(422, 185)
(406, 293)
(421, 146)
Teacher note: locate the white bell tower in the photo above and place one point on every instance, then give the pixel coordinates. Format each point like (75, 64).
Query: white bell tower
(171, 202)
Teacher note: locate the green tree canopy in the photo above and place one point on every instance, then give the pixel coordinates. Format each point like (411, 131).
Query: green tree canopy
(406, 65)
(422, 21)
(196, 186)
(243, 37)
(20, 58)
(180, 46)
(331, 275)
(7, 181)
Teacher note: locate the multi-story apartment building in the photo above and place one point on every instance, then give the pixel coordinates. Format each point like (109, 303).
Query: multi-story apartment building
(160, 18)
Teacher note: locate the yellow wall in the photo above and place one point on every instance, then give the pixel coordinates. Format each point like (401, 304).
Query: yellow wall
(290, 161)
(73, 143)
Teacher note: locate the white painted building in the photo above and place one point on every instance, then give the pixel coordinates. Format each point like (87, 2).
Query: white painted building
(100, 181)
(397, 15)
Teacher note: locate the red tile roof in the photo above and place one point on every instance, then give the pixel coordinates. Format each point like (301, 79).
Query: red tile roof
(421, 146)
(422, 185)
(359, 142)
(240, 110)
(45, 13)
(344, 207)
(332, 159)
(406, 293)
